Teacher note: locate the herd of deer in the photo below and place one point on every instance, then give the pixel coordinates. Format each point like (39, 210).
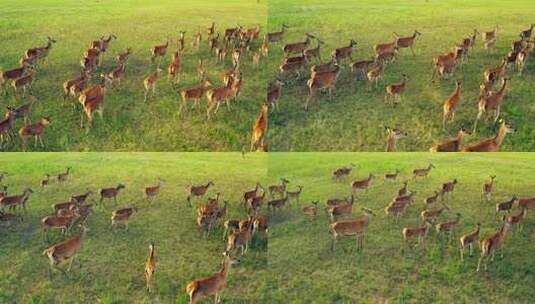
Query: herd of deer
(324, 76)
(76, 210)
(340, 212)
(237, 43)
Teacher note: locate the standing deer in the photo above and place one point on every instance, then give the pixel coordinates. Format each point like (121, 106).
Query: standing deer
(452, 145)
(174, 68)
(150, 267)
(34, 130)
(110, 193)
(277, 36)
(211, 286)
(159, 52)
(356, 228)
(469, 240)
(194, 94)
(490, 245)
(407, 42)
(492, 144)
(451, 104)
(394, 91)
(65, 251)
(488, 188)
(150, 83)
(320, 81)
(260, 129)
(392, 137)
(422, 172)
(344, 52)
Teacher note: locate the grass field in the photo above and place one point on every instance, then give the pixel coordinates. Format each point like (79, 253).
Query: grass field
(355, 119)
(130, 124)
(110, 265)
(308, 272)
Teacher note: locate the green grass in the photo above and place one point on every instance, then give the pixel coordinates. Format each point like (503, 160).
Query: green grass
(130, 124)
(112, 263)
(355, 119)
(308, 272)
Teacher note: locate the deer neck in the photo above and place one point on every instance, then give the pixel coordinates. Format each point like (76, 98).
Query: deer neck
(225, 268)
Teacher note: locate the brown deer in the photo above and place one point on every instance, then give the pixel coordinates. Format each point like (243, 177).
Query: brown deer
(432, 199)
(24, 82)
(314, 53)
(103, 43)
(451, 145)
(110, 193)
(12, 74)
(405, 189)
(488, 188)
(159, 52)
(494, 74)
(45, 182)
(150, 83)
(152, 191)
(34, 130)
(150, 266)
(278, 189)
(122, 217)
(422, 172)
(419, 232)
(392, 137)
(40, 52)
(515, 220)
(63, 223)
(63, 176)
(361, 184)
(376, 74)
(356, 228)
(197, 39)
(181, 42)
(122, 58)
(392, 176)
(298, 47)
(344, 52)
(217, 96)
(260, 129)
(407, 42)
(65, 251)
(385, 48)
(80, 82)
(395, 90)
(24, 110)
(115, 76)
(274, 93)
(448, 227)
(198, 191)
(451, 104)
(447, 188)
(12, 202)
(322, 81)
(468, 240)
(241, 239)
(522, 59)
(526, 34)
(92, 100)
(340, 173)
(490, 245)
(492, 144)
(431, 215)
(311, 210)
(505, 206)
(360, 69)
(195, 94)
(341, 210)
(528, 203)
(277, 36)
(211, 286)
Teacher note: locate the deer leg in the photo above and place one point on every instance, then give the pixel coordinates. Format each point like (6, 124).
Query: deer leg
(462, 253)
(479, 114)
(497, 114)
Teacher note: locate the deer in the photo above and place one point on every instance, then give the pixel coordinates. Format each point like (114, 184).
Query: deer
(211, 30)
(198, 191)
(492, 144)
(24, 110)
(64, 223)
(92, 100)
(40, 52)
(360, 69)
(277, 203)
(385, 48)
(260, 129)
(526, 34)
(419, 232)
(468, 240)
(340, 173)
(392, 137)
(150, 266)
(103, 43)
(422, 172)
(250, 194)
(340, 210)
(14, 201)
(62, 177)
(240, 239)
(448, 227)
(395, 90)
(448, 188)
(181, 44)
(159, 52)
(65, 251)
(45, 182)
(488, 188)
(81, 198)
(24, 82)
(451, 145)
(34, 130)
(392, 176)
(494, 74)
(219, 95)
(528, 203)
(210, 286)
(298, 47)
(195, 94)
(432, 215)
(9, 218)
(110, 193)
(333, 202)
(490, 35)
(406, 42)
(274, 93)
(395, 210)
(80, 81)
(404, 190)
(324, 67)
(115, 76)
(311, 210)
(490, 245)
(275, 37)
(321, 81)
(12, 74)
(376, 74)
(152, 191)
(260, 224)
(522, 59)
(515, 220)
(236, 57)
(432, 199)
(122, 217)
(314, 53)
(356, 228)
(122, 58)
(213, 41)
(197, 39)
(150, 83)
(451, 104)
(344, 52)
(505, 206)
(361, 184)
